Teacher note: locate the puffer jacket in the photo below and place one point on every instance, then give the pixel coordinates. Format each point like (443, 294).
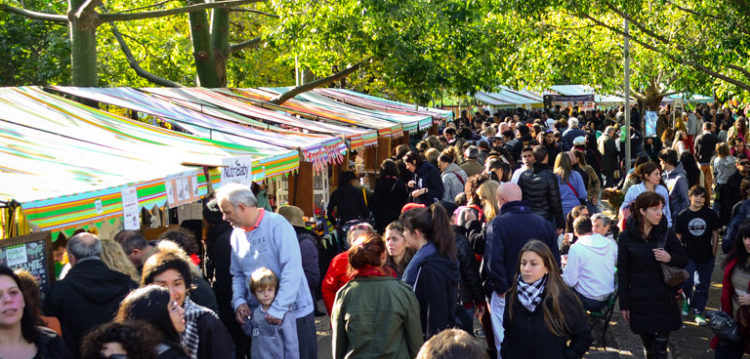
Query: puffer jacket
(540, 187)
(652, 304)
(453, 182)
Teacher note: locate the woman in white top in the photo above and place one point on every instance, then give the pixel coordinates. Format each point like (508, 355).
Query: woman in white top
(649, 175)
(680, 142)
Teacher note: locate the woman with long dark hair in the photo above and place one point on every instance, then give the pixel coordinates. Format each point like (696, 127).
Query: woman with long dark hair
(426, 187)
(735, 295)
(543, 318)
(648, 176)
(155, 306)
(433, 271)
(390, 195)
(374, 314)
(21, 335)
(205, 336)
(646, 301)
(398, 254)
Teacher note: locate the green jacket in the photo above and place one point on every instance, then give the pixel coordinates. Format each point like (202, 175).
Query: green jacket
(376, 317)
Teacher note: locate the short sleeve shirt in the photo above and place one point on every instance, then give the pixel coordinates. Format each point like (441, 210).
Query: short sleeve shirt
(697, 230)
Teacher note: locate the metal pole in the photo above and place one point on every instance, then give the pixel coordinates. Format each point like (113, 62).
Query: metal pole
(627, 95)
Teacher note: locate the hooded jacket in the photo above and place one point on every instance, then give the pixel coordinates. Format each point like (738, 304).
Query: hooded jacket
(652, 304)
(434, 280)
(428, 176)
(453, 181)
(677, 185)
(88, 296)
(591, 266)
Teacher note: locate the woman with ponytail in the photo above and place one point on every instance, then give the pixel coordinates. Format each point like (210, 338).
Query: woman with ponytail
(433, 271)
(375, 314)
(543, 318)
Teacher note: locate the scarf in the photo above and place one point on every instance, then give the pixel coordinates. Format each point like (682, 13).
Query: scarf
(412, 270)
(191, 337)
(530, 295)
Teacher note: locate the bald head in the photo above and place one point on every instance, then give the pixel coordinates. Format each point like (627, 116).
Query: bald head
(508, 192)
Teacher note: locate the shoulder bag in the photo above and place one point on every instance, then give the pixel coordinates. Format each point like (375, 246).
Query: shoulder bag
(673, 275)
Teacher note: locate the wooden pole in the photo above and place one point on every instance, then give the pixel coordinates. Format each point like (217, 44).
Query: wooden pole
(301, 188)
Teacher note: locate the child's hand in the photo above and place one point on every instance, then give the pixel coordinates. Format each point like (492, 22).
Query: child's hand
(242, 312)
(273, 320)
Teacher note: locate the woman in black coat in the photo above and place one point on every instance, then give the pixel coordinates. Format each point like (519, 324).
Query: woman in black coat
(427, 186)
(390, 195)
(645, 300)
(543, 318)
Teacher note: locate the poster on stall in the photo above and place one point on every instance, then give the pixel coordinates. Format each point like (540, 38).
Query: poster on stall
(130, 209)
(651, 118)
(237, 170)
(181, 189)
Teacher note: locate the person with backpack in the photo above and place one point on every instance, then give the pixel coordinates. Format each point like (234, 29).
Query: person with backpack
(389, 196)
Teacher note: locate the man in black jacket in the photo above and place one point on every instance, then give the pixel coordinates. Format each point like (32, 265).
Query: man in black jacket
(541, 188)
(89, 295)
(705, 145)
(348, 201)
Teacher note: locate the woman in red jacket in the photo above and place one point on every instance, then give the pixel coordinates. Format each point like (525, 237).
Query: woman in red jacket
(338, 272)
(735, 296)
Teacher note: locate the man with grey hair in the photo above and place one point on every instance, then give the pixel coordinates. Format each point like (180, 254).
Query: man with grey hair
(571, 133)
(89, 295)
(266, 239)
(135, 246)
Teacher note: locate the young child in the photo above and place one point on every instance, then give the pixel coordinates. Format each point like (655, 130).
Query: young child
(270, 341)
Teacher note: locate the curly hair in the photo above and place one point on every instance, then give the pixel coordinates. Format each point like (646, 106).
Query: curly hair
(138, 338)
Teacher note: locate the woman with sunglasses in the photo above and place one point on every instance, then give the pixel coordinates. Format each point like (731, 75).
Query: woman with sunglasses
(20, 335)
(154, 305)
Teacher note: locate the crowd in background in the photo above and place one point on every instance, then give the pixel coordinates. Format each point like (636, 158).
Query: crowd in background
(527, 220)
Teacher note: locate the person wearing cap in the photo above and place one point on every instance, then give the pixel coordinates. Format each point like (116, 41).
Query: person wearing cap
(472, 166)
(307, 245)
(571, 133)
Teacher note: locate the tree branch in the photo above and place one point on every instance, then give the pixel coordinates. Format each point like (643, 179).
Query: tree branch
(691, 11)
(278, 100)
(244, 45)
(177, 11)
(740, 69)
(144, 7)
(256, 12)
(36, 15)
(674, 58)
(136, 66)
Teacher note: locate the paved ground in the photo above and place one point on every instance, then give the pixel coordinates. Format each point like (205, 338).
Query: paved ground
(690, 342)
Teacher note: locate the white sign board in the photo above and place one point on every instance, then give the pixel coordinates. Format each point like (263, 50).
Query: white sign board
(181, 189)
(237, 170)
(130, 209)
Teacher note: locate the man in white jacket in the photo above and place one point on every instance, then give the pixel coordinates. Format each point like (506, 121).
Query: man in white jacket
(590, 270)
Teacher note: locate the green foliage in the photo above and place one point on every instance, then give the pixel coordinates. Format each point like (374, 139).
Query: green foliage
(33, 52)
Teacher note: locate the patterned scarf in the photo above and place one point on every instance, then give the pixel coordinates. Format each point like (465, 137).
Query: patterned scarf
(190, 337)
(530, 295)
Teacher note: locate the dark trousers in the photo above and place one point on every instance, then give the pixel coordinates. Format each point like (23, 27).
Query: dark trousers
(729, 350)
(655, 345)
(308, 341)
(591, 305)
(700, 296)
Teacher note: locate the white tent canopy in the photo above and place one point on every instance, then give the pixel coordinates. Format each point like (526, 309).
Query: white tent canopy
(507, 97)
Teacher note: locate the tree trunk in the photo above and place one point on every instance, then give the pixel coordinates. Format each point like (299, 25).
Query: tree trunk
(82, 49)
(202, 50)
(220, 43)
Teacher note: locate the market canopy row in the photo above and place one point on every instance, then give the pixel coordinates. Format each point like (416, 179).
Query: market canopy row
(68, 164)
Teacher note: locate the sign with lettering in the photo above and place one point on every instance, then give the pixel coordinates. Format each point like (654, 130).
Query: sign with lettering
(181, 189)
(130, 209)
(237, 170)
(33, 253)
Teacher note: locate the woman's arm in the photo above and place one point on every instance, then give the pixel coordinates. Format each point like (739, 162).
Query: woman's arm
(578, 331)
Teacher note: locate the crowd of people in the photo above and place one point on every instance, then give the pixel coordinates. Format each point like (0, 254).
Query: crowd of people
(527, 221)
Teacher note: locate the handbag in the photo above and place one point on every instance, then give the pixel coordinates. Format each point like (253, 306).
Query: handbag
(673, 275)
(723, 325)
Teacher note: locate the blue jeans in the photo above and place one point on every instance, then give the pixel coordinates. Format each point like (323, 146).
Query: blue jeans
(703, 273)
(306, 335)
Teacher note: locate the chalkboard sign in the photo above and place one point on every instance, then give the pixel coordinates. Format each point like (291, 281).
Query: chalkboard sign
(33, 253)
